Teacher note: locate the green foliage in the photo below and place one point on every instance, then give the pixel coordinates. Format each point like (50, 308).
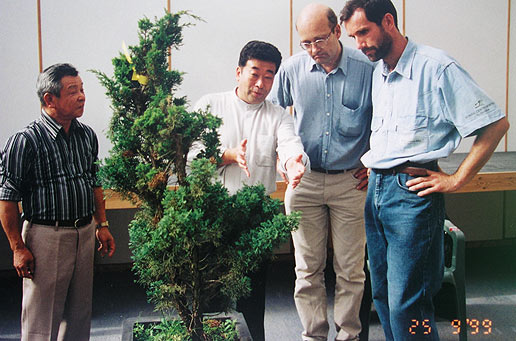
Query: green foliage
(171, 330)
(151, 130)
(193, 245)
(207, 240)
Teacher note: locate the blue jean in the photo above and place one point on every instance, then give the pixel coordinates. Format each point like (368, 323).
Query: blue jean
(405, 247)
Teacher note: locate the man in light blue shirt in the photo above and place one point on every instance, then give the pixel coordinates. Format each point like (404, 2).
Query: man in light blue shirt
(423, 104)
(329, 87)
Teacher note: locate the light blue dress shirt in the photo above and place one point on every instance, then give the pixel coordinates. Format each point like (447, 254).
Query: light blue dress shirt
(332, 111)
(423, 108)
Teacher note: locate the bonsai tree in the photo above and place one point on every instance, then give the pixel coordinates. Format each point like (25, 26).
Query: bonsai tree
(192, 243)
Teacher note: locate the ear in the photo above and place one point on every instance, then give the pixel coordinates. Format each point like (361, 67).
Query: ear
(388, 22)
(48, 98)
(338, 31)
(238, 73)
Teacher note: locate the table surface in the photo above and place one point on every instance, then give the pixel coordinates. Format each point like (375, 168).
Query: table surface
(498, 163)
(498, 174)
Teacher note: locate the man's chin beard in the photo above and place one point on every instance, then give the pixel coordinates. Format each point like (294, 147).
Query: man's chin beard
(372, 56)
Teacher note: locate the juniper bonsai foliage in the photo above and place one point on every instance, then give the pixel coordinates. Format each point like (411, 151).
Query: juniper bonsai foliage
(151, 130)
(194, 243)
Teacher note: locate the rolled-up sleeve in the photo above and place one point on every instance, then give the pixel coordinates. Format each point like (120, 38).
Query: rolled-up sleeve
(280, 92)
(14, 167)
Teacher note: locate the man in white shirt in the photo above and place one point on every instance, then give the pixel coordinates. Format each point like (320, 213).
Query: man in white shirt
(255, 133)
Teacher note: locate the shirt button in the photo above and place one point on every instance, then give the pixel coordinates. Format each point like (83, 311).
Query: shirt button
(328, 95)
(325, 152)
(327, 114)
(327, 133)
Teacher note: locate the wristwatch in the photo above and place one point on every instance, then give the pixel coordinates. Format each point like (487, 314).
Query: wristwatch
(102, 224)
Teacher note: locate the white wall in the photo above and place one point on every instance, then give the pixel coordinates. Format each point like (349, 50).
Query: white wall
(86, 33)
(512, 79)
(89, 33)
(473, 32)
(18, 66)
(211, 48)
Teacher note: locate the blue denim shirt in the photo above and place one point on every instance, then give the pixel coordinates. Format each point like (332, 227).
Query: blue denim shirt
(332, 111)
(423, 108)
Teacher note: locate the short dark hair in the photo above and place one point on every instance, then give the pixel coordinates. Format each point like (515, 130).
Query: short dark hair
(260, 50)
(49, 81)
(375, 10)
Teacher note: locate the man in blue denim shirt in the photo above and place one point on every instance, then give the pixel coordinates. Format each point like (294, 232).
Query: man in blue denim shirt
(423, 104)
(329, 87)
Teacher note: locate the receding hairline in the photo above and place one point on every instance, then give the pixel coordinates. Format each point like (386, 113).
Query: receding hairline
(315, 11)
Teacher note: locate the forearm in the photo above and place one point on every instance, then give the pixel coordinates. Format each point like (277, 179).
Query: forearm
(229, 156)
(482, 149)
(10, 218)
(100, 205)
(106, 240)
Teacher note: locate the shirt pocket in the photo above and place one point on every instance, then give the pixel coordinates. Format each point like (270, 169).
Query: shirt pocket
(354, 89)
(351, 122)
(265, 151)
(352, 113)
(412, 135)
(377, 140)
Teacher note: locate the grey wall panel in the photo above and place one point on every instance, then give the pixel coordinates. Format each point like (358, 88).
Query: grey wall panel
(119, 221)
(478, 215)
(510, 214)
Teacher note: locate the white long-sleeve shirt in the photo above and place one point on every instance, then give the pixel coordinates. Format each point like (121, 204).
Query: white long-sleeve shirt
(269, 131)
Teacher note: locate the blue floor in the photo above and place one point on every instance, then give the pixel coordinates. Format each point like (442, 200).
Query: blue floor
(490, 291)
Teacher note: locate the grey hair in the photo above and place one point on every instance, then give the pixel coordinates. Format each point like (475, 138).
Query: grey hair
(49, 81)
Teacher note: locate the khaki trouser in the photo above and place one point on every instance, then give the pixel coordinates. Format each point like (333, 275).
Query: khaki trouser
(56, 303)
(328, 202)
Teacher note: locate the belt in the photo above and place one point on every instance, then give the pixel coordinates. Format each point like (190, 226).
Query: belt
(412, 168)
(80, 222)
(330, 171)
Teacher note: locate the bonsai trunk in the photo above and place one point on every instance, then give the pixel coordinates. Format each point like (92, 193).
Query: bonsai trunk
(196, 329)
(180, 161)
(193, 318)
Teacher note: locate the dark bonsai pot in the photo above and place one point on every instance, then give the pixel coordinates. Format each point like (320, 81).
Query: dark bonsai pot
(243, 330)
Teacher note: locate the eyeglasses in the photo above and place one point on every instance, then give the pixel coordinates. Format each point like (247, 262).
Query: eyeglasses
(318, 43)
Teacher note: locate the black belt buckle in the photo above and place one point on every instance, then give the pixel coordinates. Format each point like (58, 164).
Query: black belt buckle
(80, 222)
(329, 171)
(76, 223)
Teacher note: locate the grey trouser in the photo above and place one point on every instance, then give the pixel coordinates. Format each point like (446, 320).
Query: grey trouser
(56, 303)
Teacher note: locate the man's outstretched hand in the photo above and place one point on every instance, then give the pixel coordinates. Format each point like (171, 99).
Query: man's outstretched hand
(237, 155)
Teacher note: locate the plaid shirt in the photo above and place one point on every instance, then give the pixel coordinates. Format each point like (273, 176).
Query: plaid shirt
(52, 174)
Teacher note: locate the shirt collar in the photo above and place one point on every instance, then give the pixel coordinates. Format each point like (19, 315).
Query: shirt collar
(343, 62)
(244, 104)
(53, 127)
(404, 65)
